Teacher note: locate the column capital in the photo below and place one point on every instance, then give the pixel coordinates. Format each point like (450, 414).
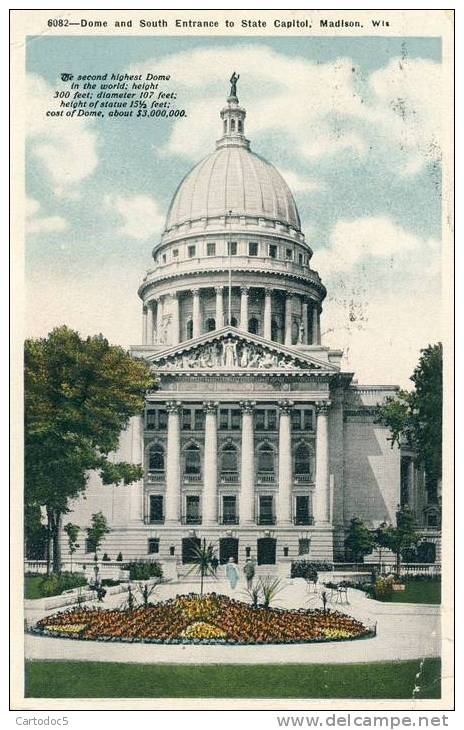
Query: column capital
(245, 290)
(285, 406)
(247, 406)
(195, 291)
(323, 406)
(218, 289)
(268, 291)
(210, 406)
(173, 406)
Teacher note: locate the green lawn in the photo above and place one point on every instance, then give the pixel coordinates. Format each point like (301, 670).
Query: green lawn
(31, 586)
(392, 680)
(427, 591)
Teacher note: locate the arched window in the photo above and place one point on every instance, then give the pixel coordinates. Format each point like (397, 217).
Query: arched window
(232, 125)
(240, 125)
(156, 458)
(192, 460)
(253, 325)
(266, 459)
(210, 324)
(225, 126)
(189, 329)
(302, 460)
(229, 460)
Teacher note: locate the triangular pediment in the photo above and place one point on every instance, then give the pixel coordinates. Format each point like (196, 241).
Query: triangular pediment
(232, 350)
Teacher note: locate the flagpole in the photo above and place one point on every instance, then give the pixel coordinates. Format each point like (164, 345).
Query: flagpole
(230, 271)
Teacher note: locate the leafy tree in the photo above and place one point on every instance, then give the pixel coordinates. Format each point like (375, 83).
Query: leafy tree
(72, 532)
(204, 556)
(79, 396)
(402, 537)
(359, 540)
(381, 540)
(97, 531)
(416, 416)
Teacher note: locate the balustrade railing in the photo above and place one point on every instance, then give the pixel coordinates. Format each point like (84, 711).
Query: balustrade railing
(229, 520)
(229, 478)
(303, 520)
(266, 478)
(191, 519)
(155, 477)
(266, 520)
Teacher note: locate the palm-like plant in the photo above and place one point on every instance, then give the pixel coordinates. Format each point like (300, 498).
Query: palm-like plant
(269, 587)
(205, 559)
(254, 593)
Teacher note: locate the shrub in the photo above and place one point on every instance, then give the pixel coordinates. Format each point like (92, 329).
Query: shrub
(109, 582)
(144, 571)
(383, 588)
(106, 558)
(56, 583)
(119, 558)
(307, 569)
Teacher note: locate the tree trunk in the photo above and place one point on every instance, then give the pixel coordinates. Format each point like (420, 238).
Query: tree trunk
(398, 563)
(56, 526)
(48, 549)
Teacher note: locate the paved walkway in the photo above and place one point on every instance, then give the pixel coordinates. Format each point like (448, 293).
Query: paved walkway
(404, 631)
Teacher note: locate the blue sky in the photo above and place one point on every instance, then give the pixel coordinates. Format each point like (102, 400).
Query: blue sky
(352, 124)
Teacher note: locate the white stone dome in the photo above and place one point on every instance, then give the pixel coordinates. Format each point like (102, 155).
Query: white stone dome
(233, 179)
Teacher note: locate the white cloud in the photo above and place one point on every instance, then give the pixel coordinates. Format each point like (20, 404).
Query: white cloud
(65, 146)
(321, 109)
(364, 239)
(140, 215)
(35, 225)
(300, 184)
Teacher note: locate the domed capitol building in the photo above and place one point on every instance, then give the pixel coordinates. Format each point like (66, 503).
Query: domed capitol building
(255, 438)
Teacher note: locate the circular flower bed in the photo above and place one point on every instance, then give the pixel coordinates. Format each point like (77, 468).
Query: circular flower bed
(211, 619)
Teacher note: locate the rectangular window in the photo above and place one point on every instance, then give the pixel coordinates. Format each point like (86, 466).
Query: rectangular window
(199, 420)
(211, 249)
(156, 507)
(296, 420)
(187, 419)
(252, 248)
(232, 248)
(191, 250)
(151, 420)
(273, 251)
(175, 253)
(260, 421)
(223, 419)
(89, 546)
(162, 419)
(302, 516)
(303, 546)
(307, 420)
(235, 420)
(272, 420)
(288, 254)
(153, 545)
(229, 510)
(164, 258)
(300, 259)
(266, 516)
(192, 508)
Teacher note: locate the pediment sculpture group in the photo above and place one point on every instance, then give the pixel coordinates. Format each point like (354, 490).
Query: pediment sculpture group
(229, 354)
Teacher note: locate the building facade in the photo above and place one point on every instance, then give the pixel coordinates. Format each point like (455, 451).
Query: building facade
(255, 438)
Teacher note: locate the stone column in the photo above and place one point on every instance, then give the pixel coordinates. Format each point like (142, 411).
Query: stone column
(316, 333)
(175, 320)
(136, 510)
(247, 492)
(210, 496)
(244, 308)
(411, 490)
(288, 319)
(304, 316)
(150, 322)
(144, 324)
(196, 315)
(172, 506)
(322, 492)
(268, 314)
(159, 320)
(284, 496)
(219, 307)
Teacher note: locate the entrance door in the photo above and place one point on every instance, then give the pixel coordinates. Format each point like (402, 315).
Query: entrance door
(189, 544)
(266, 551)
(228, 548)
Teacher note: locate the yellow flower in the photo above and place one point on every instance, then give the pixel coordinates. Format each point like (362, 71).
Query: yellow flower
(203, 630)
(66, 628)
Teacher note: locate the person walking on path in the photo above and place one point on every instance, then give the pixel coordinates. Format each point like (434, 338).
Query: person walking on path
(249, 570)
(232, 573)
